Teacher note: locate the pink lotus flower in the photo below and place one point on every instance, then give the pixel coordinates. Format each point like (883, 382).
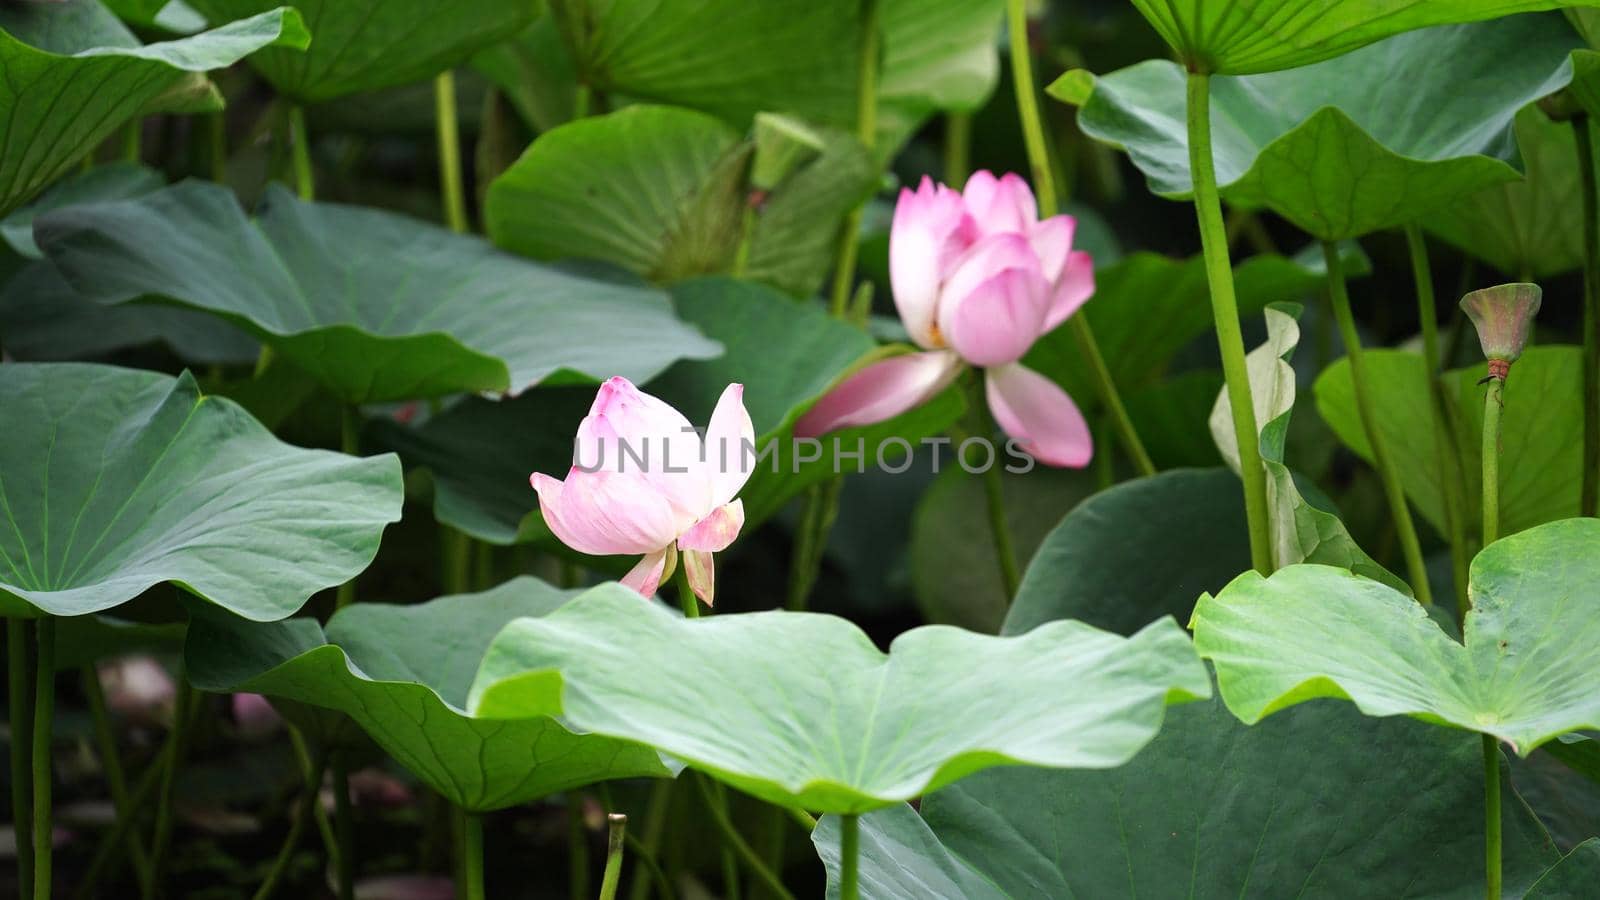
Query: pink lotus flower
(643, 481)
(977, 279)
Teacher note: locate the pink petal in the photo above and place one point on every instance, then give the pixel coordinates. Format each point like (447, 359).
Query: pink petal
(989, 256)
(629, 431)
(730, 446)
(999, 320)
(1052, 241)
(1000, 205)
(645, 577)
(1040, 416)
(254, 716)
(700, 568)
(930, 229)
(880, 391)
(606, 514)
(1072, 290)
(716, 531)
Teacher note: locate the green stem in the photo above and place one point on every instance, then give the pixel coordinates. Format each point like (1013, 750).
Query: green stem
(111, 761)
(471, 856)
(957, 148)
(817, 516)
(44, 708)
(344, 830)
(132, 140)
(1387, 473)
(300, 148)
(577, 848)
(615, 841)
(717, 805)
(182, 713)
(1225, 315)
(297, 826)
(1590, 495)
(108, 852)
(349, 443)
(1453, 490)
(686, 597)
(654, 824)
(849, 858)
(747, 233)
(1493, 403)
(651, 868)
(1044, 187)
(19, 683)
(1491, 818)
(775, 837)
(999, 528)
(444, 101)
(217, 128)
(844, 272)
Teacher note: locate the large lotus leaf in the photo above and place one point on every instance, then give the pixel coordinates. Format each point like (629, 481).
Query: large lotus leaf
(1147, 307)
(1239, 37)
(733, 58)
(74, 75)
(785, 353)
(1541, 436)
(1301, 532)
(534, 71)
(115, 480)
(1367, 141)
(113, 181)
(364, 45)
(1531, 228)
(1573, 877)
(1316, 802)
(1527, 669)
(402, 673)
(1096, 566)
(661, 191)
(809, 713)
(375, 305)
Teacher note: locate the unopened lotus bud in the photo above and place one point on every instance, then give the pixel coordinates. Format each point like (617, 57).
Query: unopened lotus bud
(783, 145)
(1503, 315)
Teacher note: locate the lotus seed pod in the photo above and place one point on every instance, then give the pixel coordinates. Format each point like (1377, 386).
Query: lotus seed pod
(783, 144)
(1503, 315)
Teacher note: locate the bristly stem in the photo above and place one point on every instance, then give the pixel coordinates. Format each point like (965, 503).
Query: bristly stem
(44, 708)
(471, 856)
(1493, 403)
(19, 699)
(1491, 818)
(444, 104)
(849, 857)
(110, 761)
(1225, 315)
(1453, 490)
(844, 273)
(1589, 504)
(616, 839)
(300, 149)
(1044, 188)
(297, 826)
(1392, 489)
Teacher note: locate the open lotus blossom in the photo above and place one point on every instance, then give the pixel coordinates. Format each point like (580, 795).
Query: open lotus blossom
(977, 279)
(644, 481)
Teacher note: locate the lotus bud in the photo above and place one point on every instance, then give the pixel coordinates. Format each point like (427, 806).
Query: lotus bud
(1503, 315)
(783, 145)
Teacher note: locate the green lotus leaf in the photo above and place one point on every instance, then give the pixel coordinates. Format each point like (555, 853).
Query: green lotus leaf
(74, 75)
(1239, 37)
(811, 714)
(113, 181)
(733, 59)
(662, 191)
(1526, 671)
(1575, 875)
(1533, 227)
(115, 480)
(1333, 147)
(365, 45)
(402, 673)
(1542, 434)
(1147, 307)
(1301, 532)
(374, 305)
(787, 354)
(1318, 802)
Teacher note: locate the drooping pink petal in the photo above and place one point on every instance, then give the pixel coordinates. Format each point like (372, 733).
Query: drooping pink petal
(1072, 289)
(999, 319)
(1000, 205)
(881, 391)
(1052, 241)
(701, 570)
(716, 531)
(1039, 415)
(646, 575)
(730, 446)
(930, 230)
(606, 513)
